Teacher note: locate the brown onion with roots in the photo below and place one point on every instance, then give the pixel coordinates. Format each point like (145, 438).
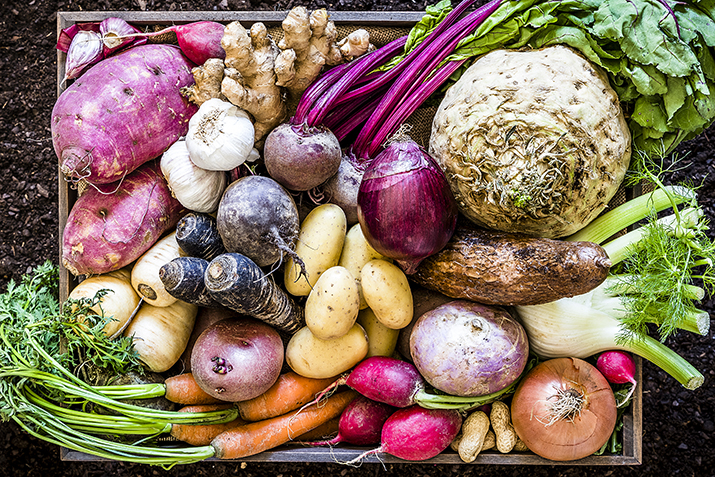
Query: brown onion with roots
(564, 409)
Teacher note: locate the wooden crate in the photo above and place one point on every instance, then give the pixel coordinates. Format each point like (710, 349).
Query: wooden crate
(633, 418)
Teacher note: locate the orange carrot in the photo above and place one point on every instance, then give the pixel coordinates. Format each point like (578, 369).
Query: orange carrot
(322, 432)
(203, 434)
(183, 389)
(290, 392)
(256, 437)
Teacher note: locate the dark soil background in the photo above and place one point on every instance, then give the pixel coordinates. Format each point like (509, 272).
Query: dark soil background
(678, 424)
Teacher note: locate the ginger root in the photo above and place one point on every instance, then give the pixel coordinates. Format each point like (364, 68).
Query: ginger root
(260, 77)
(207, 79)
(308, 44)
(249, 79)
(355, 44)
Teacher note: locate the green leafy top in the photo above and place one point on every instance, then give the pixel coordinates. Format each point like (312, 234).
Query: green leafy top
(658, 55)
(33, 327)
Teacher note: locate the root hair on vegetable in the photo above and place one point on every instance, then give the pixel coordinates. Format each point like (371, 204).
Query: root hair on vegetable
(566, 407)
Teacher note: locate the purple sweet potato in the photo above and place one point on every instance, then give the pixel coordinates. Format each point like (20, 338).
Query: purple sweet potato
(111, 225)
(123, 112)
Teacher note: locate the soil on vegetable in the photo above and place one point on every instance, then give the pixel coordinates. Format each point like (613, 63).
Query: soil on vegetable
(678, 424)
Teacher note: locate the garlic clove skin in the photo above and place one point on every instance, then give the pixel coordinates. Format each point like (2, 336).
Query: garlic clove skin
(116, 33)
(84, 50)
(197, 189)
(220, 136)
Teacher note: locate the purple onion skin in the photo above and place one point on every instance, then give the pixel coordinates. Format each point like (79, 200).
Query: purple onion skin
(301, 157)
(405, 206)
(387, 380)
(465, 348)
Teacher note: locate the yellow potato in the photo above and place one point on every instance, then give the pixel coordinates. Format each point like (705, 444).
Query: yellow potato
(333, 304)
(356, 253)
(381, 340)
(320, 243)
(315, 358)
(387, 292)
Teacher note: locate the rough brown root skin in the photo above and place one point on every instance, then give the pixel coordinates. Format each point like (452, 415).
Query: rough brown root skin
(207, 78)
(249, 79)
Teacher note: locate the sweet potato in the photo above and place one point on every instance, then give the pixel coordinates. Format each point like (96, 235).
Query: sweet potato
(111, 225)
(123, 112)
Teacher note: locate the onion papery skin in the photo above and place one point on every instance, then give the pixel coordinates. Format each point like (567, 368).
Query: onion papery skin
(564, 439)
(406, 209)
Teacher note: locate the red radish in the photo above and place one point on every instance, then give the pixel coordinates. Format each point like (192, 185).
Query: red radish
(618, 367)
(199, 41)
(387, 380)
(360, 423)
(399, 384)
(415, 433)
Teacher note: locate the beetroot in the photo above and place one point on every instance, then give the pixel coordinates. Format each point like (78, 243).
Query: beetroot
(111, 225)
(124, 111)
(237, 359)
(301, 158)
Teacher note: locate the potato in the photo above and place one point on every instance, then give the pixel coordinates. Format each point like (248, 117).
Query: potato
(387, 292)
(381, 340)
(320, 242)
(356, 253)
(333, 304)
(315, 358)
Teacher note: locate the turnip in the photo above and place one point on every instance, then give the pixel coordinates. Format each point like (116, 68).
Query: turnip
(259, 219)
(415, 433)
(123, 112)
(469, 349)
(360, 423)
(237, 359)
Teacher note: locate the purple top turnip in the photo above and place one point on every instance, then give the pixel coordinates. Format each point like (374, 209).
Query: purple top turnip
(469, 349)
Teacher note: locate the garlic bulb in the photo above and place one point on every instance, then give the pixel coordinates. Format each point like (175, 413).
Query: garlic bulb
(195, 188)
(220, 136)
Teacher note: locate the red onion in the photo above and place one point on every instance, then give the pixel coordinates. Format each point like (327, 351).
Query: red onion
(406, 209)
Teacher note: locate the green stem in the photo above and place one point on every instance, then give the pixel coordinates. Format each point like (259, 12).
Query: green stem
(663, 357)
(133, 391)
(98, 423)
(625, 215)
(620, 248)
(461, 403)
(57, 383)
